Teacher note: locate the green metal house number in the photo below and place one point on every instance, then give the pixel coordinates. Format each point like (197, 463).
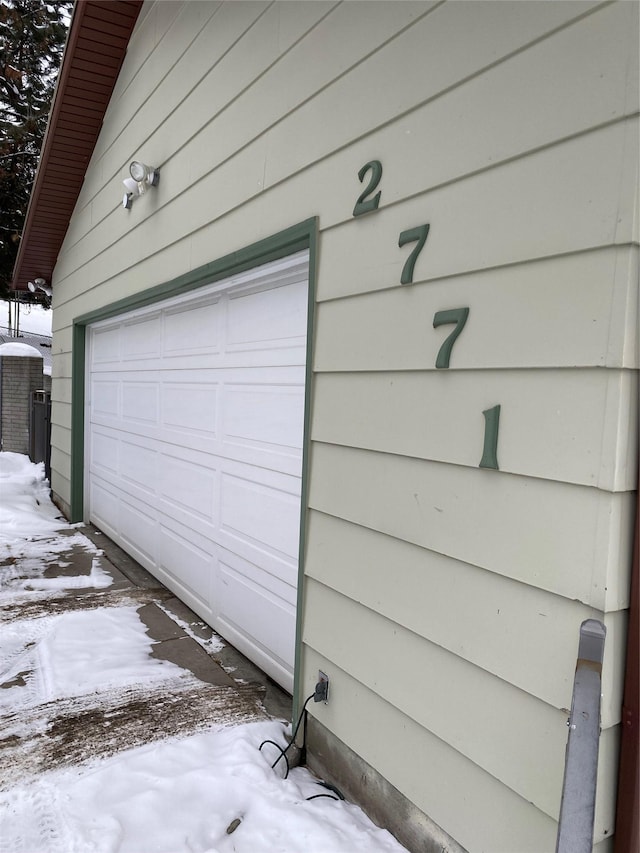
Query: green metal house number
(441, 318)
(418, 234)
(490, 450)
(365, 204)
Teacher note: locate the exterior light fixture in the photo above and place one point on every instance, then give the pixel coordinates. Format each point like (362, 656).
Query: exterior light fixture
(146, 175)
(132, 191)
(132, 186)
(39, 284)
(142, 177)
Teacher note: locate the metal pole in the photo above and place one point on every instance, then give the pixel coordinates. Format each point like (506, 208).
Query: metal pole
(1, 418)
(577, 809)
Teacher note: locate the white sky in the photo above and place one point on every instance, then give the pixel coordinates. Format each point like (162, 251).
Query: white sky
(172, 796)
(33, 318)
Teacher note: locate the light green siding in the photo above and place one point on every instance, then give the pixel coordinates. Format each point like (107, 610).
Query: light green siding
(443, 600)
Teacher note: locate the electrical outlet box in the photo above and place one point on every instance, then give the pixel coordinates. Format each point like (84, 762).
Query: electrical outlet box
(322, 688)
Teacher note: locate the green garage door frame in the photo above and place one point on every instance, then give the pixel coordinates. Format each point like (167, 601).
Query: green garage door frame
(298, 237)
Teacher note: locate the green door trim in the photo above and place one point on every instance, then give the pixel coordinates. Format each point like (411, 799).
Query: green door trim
(304, 235)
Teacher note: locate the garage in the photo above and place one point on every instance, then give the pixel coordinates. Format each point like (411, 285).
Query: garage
(194, 424)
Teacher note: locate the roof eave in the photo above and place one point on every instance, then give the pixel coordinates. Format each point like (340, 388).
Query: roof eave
(50, 209)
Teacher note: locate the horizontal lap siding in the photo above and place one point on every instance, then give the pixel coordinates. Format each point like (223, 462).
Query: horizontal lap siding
(484, 814)
(591, 321)
(438, 416)
(440, 22)
(456, 594)
(480, 616)
(511, 128)
(458, 702)
(573, 541)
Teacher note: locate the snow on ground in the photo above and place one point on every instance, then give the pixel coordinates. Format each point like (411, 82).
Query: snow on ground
(25, 508)
(212, 791)
(62, 651)
(183, 795)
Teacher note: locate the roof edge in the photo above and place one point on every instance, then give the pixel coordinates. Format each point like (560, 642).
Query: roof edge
(34, 218)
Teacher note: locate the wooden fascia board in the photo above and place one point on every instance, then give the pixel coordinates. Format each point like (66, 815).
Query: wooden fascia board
(81, 32)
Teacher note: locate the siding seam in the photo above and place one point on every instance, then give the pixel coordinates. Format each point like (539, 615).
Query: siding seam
(476, 270)
(474, 566)
(398, 455)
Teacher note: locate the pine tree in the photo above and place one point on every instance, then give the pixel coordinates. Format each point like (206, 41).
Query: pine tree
(32, 36)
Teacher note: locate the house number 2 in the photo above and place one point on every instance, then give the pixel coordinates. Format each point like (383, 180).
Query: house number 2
(368, 201)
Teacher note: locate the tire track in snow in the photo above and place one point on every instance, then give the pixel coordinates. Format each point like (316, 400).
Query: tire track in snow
(45, 829)
(18, 646)
(85, 728)
(55, 604)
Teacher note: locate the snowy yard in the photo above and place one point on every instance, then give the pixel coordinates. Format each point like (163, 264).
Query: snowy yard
(105, 748)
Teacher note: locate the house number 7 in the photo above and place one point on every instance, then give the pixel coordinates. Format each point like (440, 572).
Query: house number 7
(418, 234)
(441, 318)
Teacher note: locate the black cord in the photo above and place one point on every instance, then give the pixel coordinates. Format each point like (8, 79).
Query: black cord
(304, 708)
(329, 787)
(283, 752)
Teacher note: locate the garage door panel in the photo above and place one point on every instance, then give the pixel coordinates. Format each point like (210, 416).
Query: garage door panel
(273, 575)
(172, 439)
(288, 356)
(195, 420)
(192, 526)
(124, 487)
(192, 448)
(105, 346)
(192, 566)
(190, 407)
(105, 399)
(140, 402)
(105, 453)
(141, 338)
(199, 535)
(139, 530)
(265, 619)
(189, 486)
(259, 515)
(139, 466)
(183, 337)
(203, 452)
(144, 499)
(271, 564)
(268, 319)
(279, 480)
(268, 416)
(105, 506)
(264, 459)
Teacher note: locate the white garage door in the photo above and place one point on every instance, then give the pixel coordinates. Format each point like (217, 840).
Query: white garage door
(194, 426)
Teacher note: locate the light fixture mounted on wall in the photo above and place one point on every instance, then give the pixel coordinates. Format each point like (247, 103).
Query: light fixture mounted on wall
(142, 177)
(40, 284)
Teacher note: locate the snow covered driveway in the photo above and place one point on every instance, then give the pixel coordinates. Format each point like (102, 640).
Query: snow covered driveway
(105, 745)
